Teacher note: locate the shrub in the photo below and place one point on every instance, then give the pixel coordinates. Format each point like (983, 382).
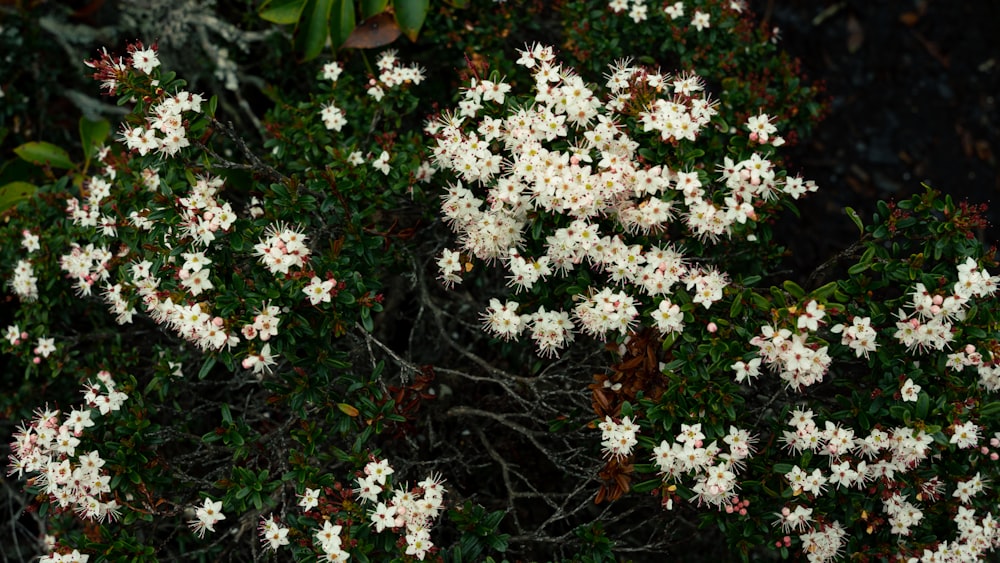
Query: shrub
(262, 345)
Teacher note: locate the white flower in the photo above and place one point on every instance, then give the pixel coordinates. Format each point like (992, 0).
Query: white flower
(700, 20)
(318, 290)
(331, 71)
(910, 391)
(382, 163)
(309, 499)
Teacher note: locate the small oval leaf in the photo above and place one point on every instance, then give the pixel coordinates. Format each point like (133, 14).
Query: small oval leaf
(12, 193)
(348, 409)
(42, 153)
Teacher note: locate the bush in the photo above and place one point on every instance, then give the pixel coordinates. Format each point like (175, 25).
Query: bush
(261, 343)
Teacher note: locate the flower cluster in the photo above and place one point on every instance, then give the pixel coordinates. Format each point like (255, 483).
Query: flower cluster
(206, 517)
(24, 283)
(714, 471)
(48, 447)
(166, 132)
(71, 557)
(859, 336)
(282, 248)
(618, 438)
(570, 155)
(930, 326)
(798, 361)
(272, 534)
(393, 73)
(823, 542)
(411, 511)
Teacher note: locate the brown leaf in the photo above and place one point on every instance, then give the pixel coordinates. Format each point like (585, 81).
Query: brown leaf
(376, 31)
(855, 34)
(909, 19)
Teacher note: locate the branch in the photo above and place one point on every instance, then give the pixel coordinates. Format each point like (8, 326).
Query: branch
(256, 164)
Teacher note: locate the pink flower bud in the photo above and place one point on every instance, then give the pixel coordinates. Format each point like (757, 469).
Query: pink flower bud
(785, 511)
(937, 300)
(729, 509)
(208, 216)
(969, 348)
(994, 456)
(984, 450)
(935, 309)
(995, 442)
(24, 336)
(697, 443)
(217, 321)
(753, 136)
(712, 327)
(37, 360)
(183, 274)
(777, 543)
(743, 512)
(248, 363)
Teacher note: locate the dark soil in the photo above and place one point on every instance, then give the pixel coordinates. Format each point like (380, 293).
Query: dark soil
(912, 86)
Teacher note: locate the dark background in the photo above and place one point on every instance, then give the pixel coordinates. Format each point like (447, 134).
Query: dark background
(912, 87)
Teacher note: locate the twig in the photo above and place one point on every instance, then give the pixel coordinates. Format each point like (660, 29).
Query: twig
(819, 273)
(256, 164)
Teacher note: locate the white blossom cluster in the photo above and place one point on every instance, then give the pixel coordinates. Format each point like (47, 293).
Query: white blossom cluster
(47, 447)
(206, 517)
(410, 511)
(798, 361)
(392, 74)
(930, 325)
(714, 471)
(25, 283)
(618, 438)
(880, 457)
(823, 542)
(513, 172)
(165, 132)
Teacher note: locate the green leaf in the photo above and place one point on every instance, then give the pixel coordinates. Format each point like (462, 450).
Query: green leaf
(227, 415)
(12, 193)
(313, 28)
(647, 486)
(824, 292)
(206, 367)
(281, 11)
(371, 7)
(989, 409)
(40, 153)
(923, 406)
(794, 288)
(92, 135)
(855, 218)
(782, 468)
(342, 21)
(410, 15)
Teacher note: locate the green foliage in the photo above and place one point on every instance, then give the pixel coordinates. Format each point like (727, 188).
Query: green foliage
(100, 249)
(319, 21)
